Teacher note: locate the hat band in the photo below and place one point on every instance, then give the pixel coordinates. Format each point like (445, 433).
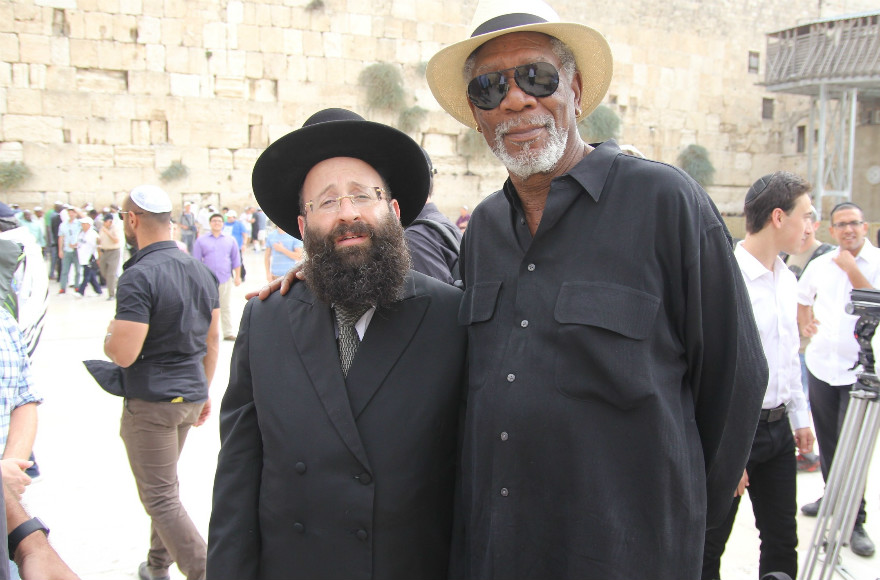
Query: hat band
(507, 21)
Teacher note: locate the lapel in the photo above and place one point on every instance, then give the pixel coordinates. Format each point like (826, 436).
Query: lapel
(388, 335)
(311, 325)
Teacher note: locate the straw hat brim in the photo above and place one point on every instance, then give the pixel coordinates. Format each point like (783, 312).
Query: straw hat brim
(445, 71)
(281, 169)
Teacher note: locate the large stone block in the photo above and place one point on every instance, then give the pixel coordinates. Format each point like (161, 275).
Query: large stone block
(360, 48)
(134, 7)
(263, 90)
(172, 32)
(183, 85)
(332, 45)
(32, 128)
(220, 159)
(313, 44)
(148, 83)
(140, 132)
(73, 103)
(95, 155)
(215, 35)
(9, 47)
(7, 18)
(11, 151)
(254, 65)
(133, 156)
(102, 81)
(274, 66)
(292, 41)
(230, 87)
(149, 30)
(248, 36)
(99, 26)
(83, 53)
(109, 131)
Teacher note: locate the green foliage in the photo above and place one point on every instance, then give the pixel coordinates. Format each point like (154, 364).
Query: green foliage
(694, 159)
(12, 173)
(410, 119)
(315, 5)
(177, 170)
(384, 86)
(600, 125)
(472, 144)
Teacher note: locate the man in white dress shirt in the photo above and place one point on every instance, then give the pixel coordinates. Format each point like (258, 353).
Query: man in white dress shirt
(778, 216)
(823, 292)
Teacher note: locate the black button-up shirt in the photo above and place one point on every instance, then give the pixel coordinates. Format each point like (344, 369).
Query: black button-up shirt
(175, 294)
(616, 354)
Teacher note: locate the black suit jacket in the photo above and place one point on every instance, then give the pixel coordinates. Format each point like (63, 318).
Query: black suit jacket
(323, 477)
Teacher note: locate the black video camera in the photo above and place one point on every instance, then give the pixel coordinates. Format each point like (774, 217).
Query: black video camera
(866, 305)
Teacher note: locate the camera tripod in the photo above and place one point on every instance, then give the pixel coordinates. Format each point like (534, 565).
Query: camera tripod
(849, 471)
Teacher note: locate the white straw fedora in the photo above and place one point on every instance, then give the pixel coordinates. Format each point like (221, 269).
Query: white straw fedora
(497, 17)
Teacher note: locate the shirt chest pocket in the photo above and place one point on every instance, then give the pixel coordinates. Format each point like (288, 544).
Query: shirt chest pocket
(476, 312)
(602, 347)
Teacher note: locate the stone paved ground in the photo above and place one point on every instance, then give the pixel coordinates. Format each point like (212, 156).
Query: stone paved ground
(87, 494)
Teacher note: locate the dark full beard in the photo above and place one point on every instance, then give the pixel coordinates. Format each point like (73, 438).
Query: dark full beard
(370, 274)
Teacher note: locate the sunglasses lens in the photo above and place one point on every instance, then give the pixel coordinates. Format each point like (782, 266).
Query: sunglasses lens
(538, 79)
(488, 90)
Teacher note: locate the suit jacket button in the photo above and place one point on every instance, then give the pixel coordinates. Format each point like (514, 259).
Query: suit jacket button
(361, 535)
(300, 467)
(365, 478)
(299, 527)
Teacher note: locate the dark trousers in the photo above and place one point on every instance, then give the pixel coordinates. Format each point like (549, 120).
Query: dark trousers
(828, 404)
(772, 471)
(90, 275)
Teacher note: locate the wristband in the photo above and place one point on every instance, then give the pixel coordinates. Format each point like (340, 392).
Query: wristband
(24, 530)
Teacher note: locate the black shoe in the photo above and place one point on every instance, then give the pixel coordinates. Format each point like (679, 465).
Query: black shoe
(811, 509)
(145, 574)
(860, 543)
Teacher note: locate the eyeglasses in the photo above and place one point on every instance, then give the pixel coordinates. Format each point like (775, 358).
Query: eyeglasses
(538, 79)
(359, 198)
(122, 214)
(844, 225)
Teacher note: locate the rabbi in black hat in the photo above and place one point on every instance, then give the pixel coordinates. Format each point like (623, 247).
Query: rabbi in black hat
(338, 427)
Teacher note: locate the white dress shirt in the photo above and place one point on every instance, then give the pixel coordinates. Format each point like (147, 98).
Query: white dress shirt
(773, 295)
(825, 287)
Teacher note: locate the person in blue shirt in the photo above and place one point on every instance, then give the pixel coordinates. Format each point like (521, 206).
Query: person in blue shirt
(283, 252)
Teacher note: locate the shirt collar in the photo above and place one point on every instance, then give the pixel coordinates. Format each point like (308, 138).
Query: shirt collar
(869, 253)
(751, 267)
(591, 172)
(154, 247)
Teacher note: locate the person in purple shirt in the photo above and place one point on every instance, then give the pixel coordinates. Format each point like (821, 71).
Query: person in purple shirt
(220, 253)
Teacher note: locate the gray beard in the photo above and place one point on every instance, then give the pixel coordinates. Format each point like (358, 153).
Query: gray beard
(528, 162)
(358, 276)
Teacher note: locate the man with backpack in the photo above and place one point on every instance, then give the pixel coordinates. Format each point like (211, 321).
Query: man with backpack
(433, 240)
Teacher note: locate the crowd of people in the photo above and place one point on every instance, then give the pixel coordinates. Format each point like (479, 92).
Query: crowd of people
(539, 398)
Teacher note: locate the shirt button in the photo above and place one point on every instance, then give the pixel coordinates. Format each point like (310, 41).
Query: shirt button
(504, 436)
(511, 377)
(299, 527)
(524, 323)
(530, 267)
(300, 467)
(361, 535)
(504, 492)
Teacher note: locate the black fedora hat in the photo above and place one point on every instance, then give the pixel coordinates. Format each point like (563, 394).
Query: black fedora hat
(280, 171)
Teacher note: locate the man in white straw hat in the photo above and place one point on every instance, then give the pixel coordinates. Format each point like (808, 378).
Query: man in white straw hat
(616, 375)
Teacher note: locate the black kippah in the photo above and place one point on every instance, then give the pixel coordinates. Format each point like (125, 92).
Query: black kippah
(758, 188)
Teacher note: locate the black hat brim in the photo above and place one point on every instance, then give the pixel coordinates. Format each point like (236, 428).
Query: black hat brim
(280, 171)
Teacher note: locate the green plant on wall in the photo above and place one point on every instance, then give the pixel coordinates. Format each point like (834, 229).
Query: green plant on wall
(472, 146)
(315, 5)
(411, 118)
(177, 170)
(600, 125)
(694, 159)
(13, 173)
(384, 86)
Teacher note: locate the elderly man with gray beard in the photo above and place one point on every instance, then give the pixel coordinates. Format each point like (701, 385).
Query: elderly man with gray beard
(615, 371)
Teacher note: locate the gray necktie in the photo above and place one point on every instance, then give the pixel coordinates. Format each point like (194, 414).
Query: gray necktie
(348, 338)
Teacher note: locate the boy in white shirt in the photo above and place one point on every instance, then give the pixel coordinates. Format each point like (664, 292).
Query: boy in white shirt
(778, 217)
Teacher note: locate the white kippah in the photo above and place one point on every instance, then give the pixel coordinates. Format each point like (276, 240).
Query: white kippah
(151, 198)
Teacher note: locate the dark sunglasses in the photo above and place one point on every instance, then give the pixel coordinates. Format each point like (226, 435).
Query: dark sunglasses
(538, 79)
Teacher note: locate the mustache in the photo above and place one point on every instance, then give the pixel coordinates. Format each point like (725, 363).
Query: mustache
(540, 120)
(353, 228)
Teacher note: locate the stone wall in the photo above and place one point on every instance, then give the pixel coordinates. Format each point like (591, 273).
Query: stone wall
(97, 96)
